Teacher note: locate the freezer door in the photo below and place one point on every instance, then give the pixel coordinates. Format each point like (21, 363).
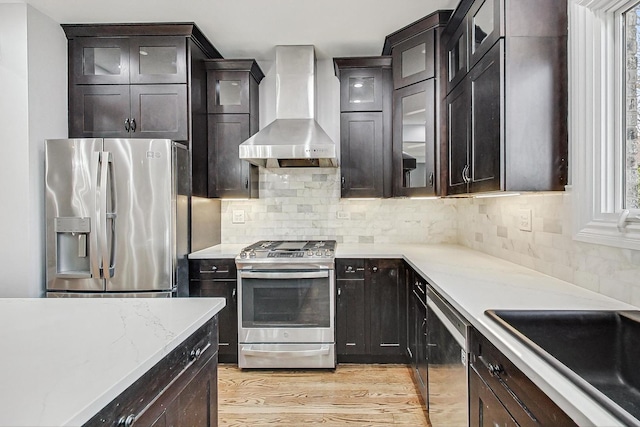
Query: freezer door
(72, 172)
(140, 218)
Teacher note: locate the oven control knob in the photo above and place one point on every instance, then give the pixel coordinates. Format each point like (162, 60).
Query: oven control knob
(318, 253)
(252, 254)
(243, 254)
(327, 252)
(309, 253)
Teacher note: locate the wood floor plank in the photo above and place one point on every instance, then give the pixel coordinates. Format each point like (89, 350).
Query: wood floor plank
(352, 395)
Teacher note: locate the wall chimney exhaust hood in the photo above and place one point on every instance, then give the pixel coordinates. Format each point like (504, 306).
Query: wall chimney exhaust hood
(294, 139)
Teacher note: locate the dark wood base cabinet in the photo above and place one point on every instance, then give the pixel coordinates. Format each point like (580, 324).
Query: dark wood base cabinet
(217, 278)
(501, 395)
(370, 311)
(180, 390)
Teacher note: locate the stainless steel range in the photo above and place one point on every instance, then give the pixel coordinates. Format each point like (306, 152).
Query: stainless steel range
(286, 304)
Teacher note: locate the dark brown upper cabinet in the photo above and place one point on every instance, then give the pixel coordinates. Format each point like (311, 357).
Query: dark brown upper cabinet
(233, 117)
(505, 121)
(365, 125)
(418, 89)
(414, 138)
(141, 81)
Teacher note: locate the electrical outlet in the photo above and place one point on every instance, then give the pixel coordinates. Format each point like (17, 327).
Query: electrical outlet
(238, 217)
(524, 219)
(343, 215)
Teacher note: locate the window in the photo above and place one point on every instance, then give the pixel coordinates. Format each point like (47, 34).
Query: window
(631, 34)
(604, 122)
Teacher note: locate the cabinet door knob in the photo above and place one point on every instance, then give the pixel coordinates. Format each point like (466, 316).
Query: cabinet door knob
(127, 125)
(431, 179)
(342, 181)
(133, 125)
(246, 183)
(339, 291)
(375, 269)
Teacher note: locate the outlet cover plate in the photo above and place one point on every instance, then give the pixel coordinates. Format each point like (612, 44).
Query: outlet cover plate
(524, 219)
(238, 217)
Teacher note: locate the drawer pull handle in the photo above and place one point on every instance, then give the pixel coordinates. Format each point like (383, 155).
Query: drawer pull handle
(496, 370)
(126, 422)
(195, 354)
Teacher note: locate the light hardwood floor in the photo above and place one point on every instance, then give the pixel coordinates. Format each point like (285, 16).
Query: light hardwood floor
(352, 395)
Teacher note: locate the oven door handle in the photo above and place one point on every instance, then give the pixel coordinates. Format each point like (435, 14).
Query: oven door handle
(284, 275)
(321, 351)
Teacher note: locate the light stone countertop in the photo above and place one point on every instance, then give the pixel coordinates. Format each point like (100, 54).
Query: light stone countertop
(64, 359)
(474, 282)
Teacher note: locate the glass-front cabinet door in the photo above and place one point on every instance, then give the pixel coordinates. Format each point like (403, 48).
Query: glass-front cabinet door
(228, 92)
(414, 60)
(361, 90)
(133, 60)
(485, 28)
(414, 139)
(96, 60)
(457, 56)
(157, 59)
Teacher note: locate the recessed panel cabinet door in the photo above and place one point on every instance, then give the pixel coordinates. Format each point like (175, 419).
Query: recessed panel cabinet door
(350, 318)
(99, 111)
(361, 150)
(228, 175)
(159, 111)
(388, 316)
(484, 407)
(457, 139)
(486, 122)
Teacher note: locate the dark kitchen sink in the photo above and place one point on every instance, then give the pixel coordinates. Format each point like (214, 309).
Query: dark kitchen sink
(597, 350)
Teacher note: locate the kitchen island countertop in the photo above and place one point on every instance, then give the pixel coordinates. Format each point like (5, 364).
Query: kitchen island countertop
(64, 359)
(474, 282)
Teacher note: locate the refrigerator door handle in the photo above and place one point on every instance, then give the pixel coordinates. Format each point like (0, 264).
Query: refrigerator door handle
(112, 216)
(102, 215)
(94, 246)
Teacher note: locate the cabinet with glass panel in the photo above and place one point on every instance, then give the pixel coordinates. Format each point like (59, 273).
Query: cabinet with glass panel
(365, 125)
(232, 106)
(505, 118)
(129, 81)
(418, 87)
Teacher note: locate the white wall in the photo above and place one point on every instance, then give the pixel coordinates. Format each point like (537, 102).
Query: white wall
(33, 106)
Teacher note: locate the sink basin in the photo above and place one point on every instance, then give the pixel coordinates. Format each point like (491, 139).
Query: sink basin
(598, 350)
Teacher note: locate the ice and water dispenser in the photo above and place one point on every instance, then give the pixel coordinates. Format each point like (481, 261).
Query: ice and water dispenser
(72, 246)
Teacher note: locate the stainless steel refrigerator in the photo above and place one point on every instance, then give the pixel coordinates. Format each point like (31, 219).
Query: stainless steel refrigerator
(116, 217)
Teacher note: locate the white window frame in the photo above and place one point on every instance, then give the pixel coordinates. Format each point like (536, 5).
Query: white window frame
(596, 124)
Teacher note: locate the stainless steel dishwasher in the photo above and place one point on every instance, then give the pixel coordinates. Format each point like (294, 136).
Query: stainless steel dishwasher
(447, 354)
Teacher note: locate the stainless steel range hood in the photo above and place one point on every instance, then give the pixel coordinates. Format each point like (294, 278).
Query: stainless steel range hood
(294, 139)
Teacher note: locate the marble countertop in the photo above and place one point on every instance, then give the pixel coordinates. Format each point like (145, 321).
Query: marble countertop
(64, 359)
(474, 282)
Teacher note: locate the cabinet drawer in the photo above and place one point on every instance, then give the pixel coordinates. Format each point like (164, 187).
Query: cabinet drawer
(211, 269)
(350, 269)
(528, 405)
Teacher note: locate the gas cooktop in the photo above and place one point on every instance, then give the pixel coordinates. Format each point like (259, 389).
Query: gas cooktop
(280, 251)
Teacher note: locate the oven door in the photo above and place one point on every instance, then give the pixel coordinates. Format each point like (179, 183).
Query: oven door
(285, 306)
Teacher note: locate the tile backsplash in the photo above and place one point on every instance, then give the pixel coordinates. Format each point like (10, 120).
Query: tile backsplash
(492, 225)
(306, 204)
